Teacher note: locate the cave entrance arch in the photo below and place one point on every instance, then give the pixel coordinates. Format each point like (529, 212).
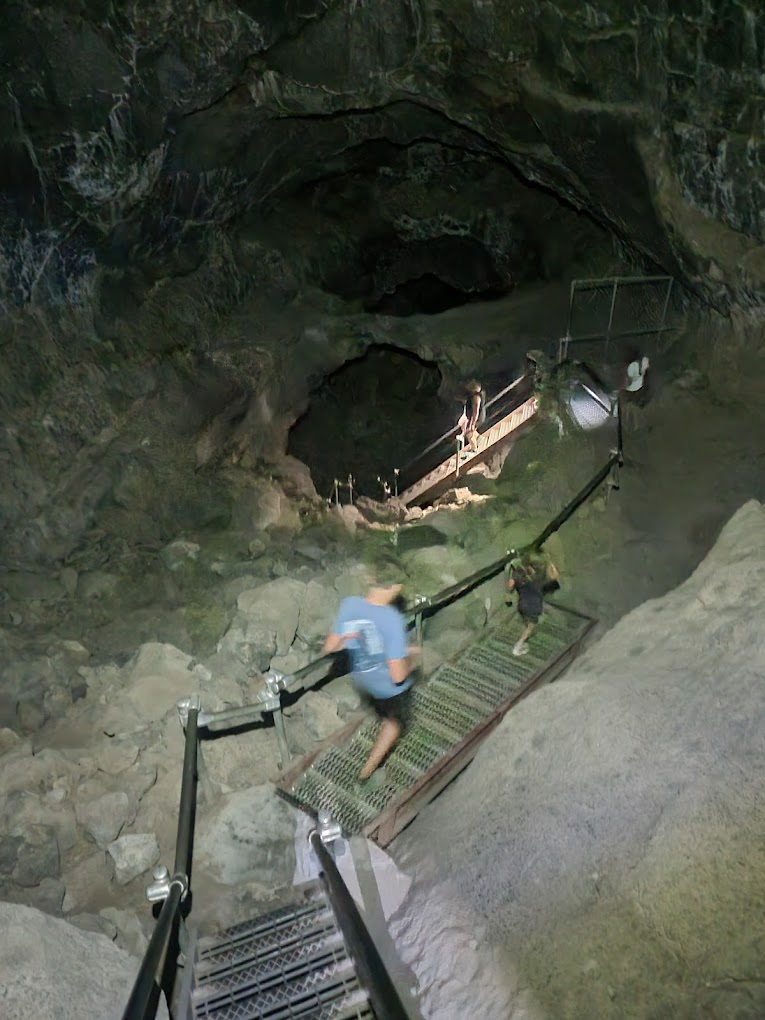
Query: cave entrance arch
(370, 415)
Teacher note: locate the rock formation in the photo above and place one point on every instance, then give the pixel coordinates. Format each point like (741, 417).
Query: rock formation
(610, 828)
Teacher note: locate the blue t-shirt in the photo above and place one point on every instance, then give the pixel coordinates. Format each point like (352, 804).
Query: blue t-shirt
(380, 635)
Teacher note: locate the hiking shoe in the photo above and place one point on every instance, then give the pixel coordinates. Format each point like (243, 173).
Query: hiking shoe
(377, 780)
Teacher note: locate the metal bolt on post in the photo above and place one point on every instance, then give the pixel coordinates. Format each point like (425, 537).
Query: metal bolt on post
(396, 473)
(275, 684)
(350, 489)
(337, 491)
(419, 629)
(329, 830)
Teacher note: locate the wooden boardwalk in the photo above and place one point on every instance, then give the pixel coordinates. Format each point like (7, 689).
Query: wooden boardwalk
(448, 471)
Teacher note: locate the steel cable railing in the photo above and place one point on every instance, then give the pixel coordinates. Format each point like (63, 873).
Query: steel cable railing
(383, 994)
(144, 997)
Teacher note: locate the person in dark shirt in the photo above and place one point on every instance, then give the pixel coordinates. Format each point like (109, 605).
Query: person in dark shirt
(532, 577)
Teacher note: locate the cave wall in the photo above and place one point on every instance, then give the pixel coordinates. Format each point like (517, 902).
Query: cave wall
(196, 198)
(132, 132)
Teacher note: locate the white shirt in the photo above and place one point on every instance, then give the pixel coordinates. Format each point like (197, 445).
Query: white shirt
(636, 371)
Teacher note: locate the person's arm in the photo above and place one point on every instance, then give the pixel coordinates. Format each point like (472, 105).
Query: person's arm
(336, 639)
(333, 643)
(399, 662)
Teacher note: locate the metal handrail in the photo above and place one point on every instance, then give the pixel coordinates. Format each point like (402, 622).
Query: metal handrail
(491, 410)
(376, 980)
(142, 1004)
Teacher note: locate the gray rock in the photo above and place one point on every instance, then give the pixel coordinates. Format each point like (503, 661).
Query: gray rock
(9, 740)
(133, 855)
(129, 933)
(257, 546)
(38, 856)
(47, 896)
(114, 755)
(94, 923)
(96, 584)
(104, 817)
(68, 578)
(88, 883)
(9, 853)
(343, 693)
(178, 553)
(320, 715)
(248, 837)
(51, 970)
(317, 612)
(265, 624)
(23, 586)
(23, 810)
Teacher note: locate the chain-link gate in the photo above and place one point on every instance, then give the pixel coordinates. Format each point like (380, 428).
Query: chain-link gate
(615, 307)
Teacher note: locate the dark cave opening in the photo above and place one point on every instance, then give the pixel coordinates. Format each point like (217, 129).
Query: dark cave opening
(425, 295)
(371, 415)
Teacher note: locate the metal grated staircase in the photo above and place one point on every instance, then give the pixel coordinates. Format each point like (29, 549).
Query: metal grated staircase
(290, 964)
(452, 712)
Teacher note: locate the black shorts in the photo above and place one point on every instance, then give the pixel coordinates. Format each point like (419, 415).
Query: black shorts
(398, 708)
(528, 617)
(530, 605)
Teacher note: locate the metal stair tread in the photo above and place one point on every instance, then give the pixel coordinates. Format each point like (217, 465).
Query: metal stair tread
(320, 987)
(265, 947)
(289, 967)
(273, 920)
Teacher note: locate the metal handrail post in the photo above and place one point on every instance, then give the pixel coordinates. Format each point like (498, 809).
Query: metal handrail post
(383, 995)
(188, 792)
(619, 427)
(419, 630)
(611, 313)
(276, 683)
(144, 997)
(660, 330)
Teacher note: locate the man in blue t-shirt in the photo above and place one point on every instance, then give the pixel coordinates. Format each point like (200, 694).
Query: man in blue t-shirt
(374, 632)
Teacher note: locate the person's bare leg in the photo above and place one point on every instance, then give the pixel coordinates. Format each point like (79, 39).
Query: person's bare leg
(387, 736)
(519, 646)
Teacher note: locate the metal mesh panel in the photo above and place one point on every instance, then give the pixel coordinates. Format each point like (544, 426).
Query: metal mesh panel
(610, 308)
(590, 309)
(291, 964)
(456, 701)
(638, 308)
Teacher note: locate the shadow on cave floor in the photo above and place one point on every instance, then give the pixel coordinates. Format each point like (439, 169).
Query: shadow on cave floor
(373, 414)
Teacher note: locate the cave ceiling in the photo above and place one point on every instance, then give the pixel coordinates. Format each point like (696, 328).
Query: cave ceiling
(136, 133)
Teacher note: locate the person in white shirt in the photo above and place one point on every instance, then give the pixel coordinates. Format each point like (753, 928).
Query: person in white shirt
(636, 371)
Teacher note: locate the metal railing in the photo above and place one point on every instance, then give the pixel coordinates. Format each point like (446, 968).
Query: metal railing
(144, 998)
(434, 454)
(642, 311)
(373, 974)
(170, 927)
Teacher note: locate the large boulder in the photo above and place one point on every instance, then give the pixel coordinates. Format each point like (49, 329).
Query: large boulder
(51, 970)
(265, 624)
(247, 837)
(604, 848)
